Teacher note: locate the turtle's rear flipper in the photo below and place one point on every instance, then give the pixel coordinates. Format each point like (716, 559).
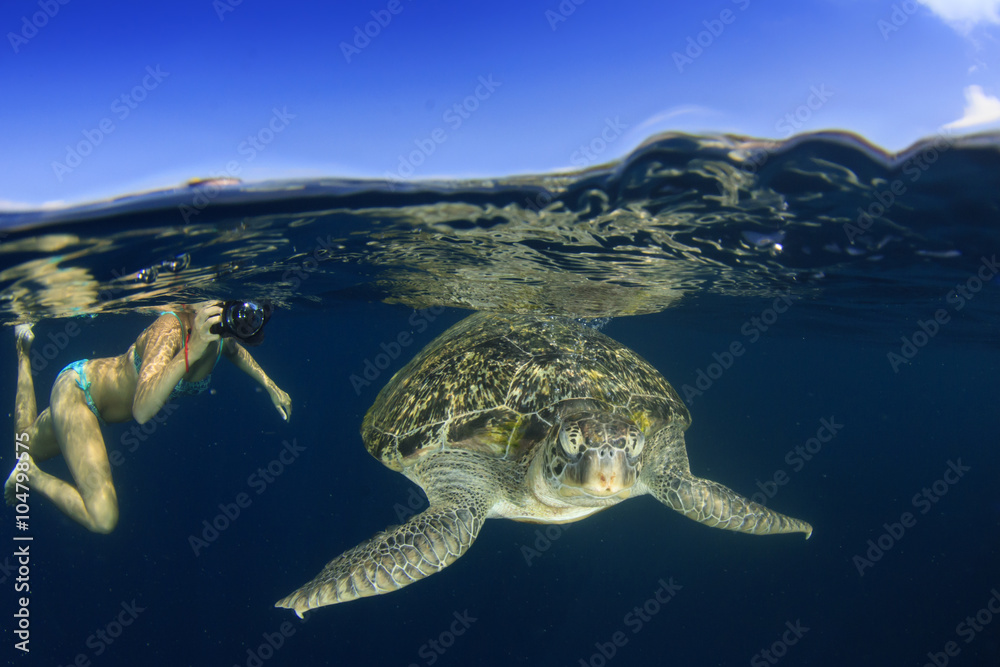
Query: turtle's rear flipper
(427, 543)
(718, 506)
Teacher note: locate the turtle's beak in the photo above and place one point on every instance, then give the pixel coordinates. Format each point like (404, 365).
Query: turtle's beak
(603, 472)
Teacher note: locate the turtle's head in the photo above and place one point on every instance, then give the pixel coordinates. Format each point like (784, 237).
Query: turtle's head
(596, 455)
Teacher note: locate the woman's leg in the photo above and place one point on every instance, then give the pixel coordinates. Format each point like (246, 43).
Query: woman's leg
(41, 441)
(41, 438)
(92, 502)
(24, 405)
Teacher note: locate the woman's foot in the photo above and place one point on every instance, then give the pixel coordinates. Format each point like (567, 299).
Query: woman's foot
(25, 336)
(24, 466)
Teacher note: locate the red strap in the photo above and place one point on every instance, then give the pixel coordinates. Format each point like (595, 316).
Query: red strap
(187, 367)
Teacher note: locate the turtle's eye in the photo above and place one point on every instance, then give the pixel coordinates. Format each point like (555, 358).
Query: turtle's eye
(634, 442)
(571, 439)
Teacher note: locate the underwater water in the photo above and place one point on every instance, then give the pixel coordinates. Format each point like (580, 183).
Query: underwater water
(828, 313)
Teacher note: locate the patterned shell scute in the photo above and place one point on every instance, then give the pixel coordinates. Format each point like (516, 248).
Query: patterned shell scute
(496, 383)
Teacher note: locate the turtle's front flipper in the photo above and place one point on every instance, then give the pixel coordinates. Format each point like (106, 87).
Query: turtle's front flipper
(395, 558)
(461, 490)
(718, 506)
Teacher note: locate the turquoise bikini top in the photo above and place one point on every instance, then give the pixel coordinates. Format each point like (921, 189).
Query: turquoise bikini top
(184, 387)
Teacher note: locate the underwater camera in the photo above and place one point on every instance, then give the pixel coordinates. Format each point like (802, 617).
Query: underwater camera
(243, 320)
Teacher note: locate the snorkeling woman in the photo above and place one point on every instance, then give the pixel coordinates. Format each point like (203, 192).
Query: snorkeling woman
(175, 355)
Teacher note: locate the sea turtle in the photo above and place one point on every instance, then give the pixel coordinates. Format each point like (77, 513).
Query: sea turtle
(528, 418)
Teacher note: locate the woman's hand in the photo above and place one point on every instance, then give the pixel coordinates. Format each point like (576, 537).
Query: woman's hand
(201, 336)
(282, 401)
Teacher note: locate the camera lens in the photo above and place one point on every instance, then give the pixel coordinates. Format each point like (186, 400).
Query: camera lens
(245, 318)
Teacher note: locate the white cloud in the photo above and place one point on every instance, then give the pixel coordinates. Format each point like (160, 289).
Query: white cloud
(980, 109)
(13, 206)
(671, 113)
(965, 13)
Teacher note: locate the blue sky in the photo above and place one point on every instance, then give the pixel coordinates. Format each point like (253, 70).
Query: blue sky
(106, 98)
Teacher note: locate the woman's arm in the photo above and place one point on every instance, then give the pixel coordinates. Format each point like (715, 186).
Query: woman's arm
(162, 366)
(161, 370)
(238, 354)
